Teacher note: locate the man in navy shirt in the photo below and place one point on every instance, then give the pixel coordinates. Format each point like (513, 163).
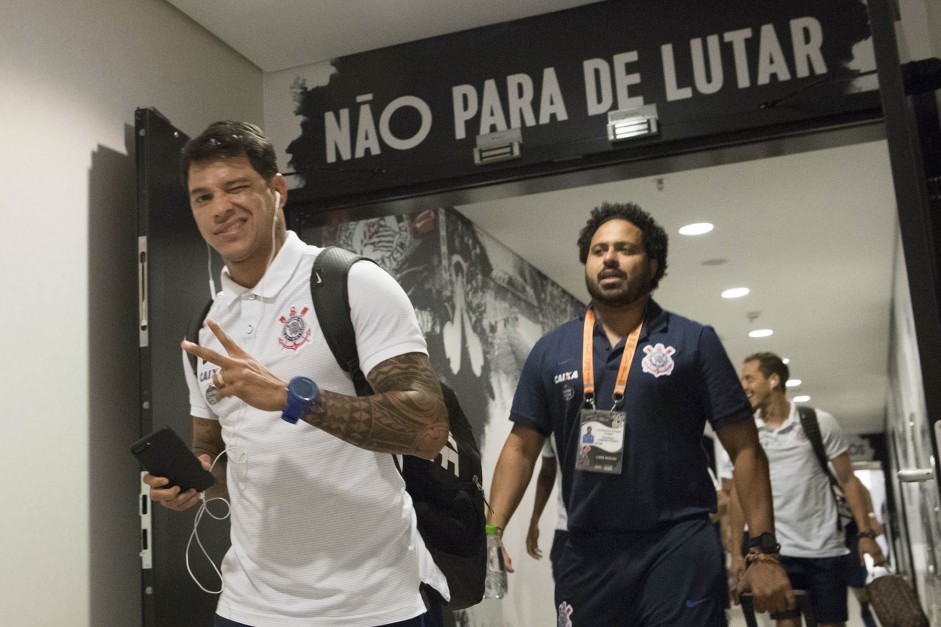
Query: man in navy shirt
(641, 549)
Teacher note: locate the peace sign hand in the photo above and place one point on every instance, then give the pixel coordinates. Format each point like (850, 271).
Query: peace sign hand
(240, 374)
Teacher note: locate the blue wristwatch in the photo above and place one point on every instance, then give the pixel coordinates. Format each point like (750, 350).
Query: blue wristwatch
(302, 391)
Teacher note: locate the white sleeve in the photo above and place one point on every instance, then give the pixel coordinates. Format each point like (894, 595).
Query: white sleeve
(383, 317)
(833, 441)
(198, 406)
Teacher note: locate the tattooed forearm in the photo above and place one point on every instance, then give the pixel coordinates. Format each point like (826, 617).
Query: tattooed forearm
(405, 415)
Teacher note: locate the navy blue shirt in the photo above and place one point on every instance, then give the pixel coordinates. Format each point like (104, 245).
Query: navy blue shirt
(680, 377)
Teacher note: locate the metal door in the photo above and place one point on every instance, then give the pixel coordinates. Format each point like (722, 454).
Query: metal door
(173, 286)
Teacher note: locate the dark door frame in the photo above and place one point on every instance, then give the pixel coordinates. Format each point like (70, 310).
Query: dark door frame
(911, 123)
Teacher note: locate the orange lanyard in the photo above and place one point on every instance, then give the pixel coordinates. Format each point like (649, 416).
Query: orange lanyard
(588, 367)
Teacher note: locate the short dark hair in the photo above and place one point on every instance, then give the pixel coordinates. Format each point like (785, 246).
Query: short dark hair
(230, 139)
(769, 364)
(655, 238)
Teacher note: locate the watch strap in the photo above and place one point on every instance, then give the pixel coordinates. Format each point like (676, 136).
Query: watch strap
(765, 543)
(299, 403)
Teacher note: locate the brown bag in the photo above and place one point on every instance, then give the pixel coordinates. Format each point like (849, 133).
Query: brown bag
(895, 602)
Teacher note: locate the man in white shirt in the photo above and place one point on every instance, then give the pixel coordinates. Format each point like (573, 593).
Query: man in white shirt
(323, 531)
(812, 543)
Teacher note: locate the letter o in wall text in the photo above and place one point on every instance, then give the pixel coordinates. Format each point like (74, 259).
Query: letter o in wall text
(405, 101)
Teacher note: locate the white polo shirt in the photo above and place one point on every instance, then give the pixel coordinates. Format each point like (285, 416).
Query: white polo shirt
(323, 532)
(548, 450)
(805, 512)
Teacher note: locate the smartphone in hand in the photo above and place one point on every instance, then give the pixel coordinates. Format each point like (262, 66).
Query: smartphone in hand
(164, 454)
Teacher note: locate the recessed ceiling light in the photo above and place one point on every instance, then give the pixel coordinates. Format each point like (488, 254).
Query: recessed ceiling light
(760, 333)
(801, 399)
(696, 229)
(793, 383)
(786, 360)
(735, 292)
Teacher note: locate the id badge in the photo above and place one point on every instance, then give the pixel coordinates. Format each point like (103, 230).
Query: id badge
(601, 441)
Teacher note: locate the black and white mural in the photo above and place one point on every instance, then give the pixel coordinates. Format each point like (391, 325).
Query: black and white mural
(480, 305)
(482, 308)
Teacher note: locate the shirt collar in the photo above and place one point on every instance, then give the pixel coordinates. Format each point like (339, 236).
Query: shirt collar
(275, 277)
(655, 320)
(789, 422)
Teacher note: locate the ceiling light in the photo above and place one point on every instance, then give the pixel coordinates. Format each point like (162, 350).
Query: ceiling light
(735, 292)
(786, 360)
(760, 333)
(801, 399)
(696, 229)
(793, 383)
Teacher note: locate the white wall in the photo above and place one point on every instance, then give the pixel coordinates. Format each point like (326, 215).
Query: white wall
(919, 35)
(71, 75)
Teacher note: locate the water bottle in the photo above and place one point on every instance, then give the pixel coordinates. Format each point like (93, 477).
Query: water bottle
(495, 584)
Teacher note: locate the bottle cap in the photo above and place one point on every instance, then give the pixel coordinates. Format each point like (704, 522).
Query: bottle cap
(493, 530)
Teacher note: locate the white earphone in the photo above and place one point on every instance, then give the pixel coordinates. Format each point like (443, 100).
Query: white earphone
(274, 215)
(212, 283)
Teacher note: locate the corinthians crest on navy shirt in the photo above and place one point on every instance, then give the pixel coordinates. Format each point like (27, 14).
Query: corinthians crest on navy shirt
(659, 360)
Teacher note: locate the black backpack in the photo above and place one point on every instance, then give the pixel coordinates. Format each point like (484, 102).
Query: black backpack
(808, 418)
(446, 492)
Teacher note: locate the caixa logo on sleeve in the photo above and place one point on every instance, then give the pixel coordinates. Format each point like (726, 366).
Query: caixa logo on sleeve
(295, 332)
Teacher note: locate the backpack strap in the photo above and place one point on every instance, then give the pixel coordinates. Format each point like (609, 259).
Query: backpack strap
(808, 418)
(328, 288)
(192, 332)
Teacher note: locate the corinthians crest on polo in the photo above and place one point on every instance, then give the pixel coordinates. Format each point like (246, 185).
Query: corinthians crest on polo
(295, 331)
(659, 360)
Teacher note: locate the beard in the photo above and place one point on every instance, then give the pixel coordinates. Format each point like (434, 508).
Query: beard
(626, 293)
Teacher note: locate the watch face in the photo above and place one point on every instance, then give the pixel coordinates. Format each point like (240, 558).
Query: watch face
(765, 543)
(304, 388)
(768, 543)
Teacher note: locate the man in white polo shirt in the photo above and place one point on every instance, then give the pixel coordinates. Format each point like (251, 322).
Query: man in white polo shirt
(812, 543)
(323, 531)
